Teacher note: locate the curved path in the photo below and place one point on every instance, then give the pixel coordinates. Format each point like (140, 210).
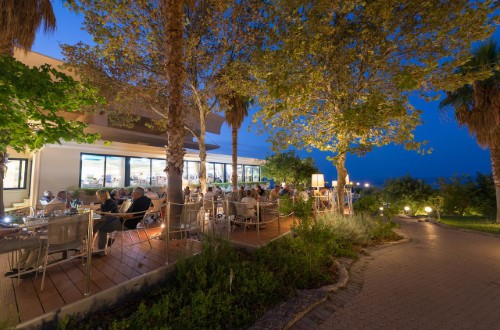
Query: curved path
(442, 279)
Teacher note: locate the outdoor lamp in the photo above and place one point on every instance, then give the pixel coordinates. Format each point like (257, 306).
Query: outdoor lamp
(381, 208)
(357, 183)
(367, 185)
(347, 179)
(318, 180)
(407, 208)
(427, 209)
(334, 183)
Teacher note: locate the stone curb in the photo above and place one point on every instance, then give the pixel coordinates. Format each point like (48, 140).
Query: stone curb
(286, 314)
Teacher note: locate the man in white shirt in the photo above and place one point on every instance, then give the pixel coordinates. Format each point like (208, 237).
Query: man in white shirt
(210, 194)
(250, 202)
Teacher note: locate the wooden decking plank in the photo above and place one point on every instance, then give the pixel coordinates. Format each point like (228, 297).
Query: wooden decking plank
(67, 289)
(27, 300)
(50, 298)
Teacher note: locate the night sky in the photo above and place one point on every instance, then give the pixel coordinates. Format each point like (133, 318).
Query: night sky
(455, 152)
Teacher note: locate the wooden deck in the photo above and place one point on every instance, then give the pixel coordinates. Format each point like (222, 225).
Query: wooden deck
(22, 300)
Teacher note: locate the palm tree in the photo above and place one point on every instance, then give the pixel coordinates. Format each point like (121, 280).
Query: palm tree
(235, 114)
(477, 105)
(19, 21)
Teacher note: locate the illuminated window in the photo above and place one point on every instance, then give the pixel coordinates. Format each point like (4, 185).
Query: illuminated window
(140, 171)
(15, 176)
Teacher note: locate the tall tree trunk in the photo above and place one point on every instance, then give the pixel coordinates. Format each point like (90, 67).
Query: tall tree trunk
(234, 153)
(174, 15)
(203, 151)
(5, 49)
(495, 164)
(3, 169)
(341, 174)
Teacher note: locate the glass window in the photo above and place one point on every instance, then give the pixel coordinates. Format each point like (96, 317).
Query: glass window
(159, 176)
(140, 171)
(219, 172)
(256, 174)
(229, 172)
(248, 173)
(193, 172)
(15, 176)
(92, 171)
(185, 172)
(210, 172)
(115, 171)
(240, 173)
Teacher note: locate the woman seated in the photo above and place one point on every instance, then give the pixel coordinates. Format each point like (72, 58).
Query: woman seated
(108, 223)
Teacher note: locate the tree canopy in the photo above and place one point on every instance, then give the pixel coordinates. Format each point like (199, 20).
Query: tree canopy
(289, 167)
(32, 101)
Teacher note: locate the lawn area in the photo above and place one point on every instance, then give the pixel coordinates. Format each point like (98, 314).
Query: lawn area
(474, 223)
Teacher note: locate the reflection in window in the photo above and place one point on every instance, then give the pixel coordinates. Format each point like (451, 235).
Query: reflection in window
(92, 175)
(248, 173)
(115, 171)
(185, 172)
(140, 171)
(15, 176)
(240, 173)
(193, 172)
(219, 173)
(229, 172)
(256, 174)
(210, 172)
(158, 177)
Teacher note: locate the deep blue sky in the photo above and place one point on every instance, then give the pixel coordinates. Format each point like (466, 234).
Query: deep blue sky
(454, 151)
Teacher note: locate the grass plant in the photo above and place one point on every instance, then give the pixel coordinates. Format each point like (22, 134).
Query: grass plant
(482, 224)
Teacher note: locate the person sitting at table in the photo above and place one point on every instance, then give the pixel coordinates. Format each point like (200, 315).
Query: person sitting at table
(187, 193)
(286, 191)
(139, 206)
(260, 191)
(113, 193)
(107, 223)
(275, 194)
(151, 194)
(250, 203)
(61, 198)
(242, 192)
(219, 192)
(210, 194)
(47, 196)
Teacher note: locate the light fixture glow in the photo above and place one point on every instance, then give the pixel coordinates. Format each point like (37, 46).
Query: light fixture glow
(407, 208)
(381, 208)
(367, 185)
(428, 209)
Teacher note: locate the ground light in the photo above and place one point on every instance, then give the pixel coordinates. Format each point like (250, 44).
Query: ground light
(367, 185)
(407, 209)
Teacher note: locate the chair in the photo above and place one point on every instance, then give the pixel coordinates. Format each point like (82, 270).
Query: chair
(63, 234)
(125, 205)
(182, 222)
(243, 216)
(141, 225)
(155, 211)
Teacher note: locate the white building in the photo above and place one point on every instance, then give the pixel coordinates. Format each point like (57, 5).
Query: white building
(135, 157)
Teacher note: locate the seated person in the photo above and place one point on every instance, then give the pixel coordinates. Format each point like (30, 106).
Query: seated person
(242, 192)
(107, 223)
(140, 204)
(275, 194)
(250, 203)
(187, 193)
(113, 194)
(47, 196)
(285, 190)
(61, 198)
(151, 194)
(219, 192)
(210, 194)
(261, 191)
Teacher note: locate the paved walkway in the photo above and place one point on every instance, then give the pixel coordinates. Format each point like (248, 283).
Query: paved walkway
(441, 279)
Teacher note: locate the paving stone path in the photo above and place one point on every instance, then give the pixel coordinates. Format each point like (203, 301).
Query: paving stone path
(442, 279)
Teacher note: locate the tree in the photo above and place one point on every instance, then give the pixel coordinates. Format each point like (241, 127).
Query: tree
(216, 39)
(237, 110)
(407, 191)
(477, 104)
(32, 102)
(336, 76)
(138, 62)
(19, 21)
(290, 168)
(31, 98)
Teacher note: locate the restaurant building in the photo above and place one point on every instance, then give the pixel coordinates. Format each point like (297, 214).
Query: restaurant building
(123, 157)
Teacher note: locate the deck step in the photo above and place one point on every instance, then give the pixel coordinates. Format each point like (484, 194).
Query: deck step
(17, 205)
